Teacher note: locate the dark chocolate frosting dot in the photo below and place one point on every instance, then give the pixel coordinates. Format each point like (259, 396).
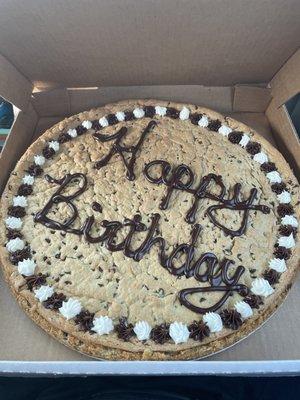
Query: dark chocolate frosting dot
(214, 125)
(25, 190)
(253, 148)
(84, 320)
(278, 187)
(112, 119)
(195, 118)
(231, 319)
(16, 211)
(198, 330)
(253, 300)
(172, 113)
(282, 252)
(286, 230)
(96, 125)
(235, 137)
(149, 111)
(19, 255)
(55, 301)
(124, 329)
(285, 209)
(129, 116)
(13, 234)
(80, 130)
(48, 152)
(34, 170)
(33, 281)
(268, 167)
(160, 334)
(272, 276)
(63, 138)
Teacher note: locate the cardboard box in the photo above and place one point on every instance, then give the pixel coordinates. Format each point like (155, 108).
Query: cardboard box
(60, 58)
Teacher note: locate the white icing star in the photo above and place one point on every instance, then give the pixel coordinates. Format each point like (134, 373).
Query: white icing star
(26, 267)
(28, 180)
(20, 201)
(184, 114)
(161, 111)
(274, 177)
(72, 133)
(39, 160)
(289, 220)
(179, 332)
(284, 197)
(87, 124)
(244, 309)
(54, 145)
(277, 264)
(103, 122)
(120, 116)
(102, 325)
(261, 157)
(15, 245)
(142, 330)
(203, 121)
(287, 241)
(224, 130)
(13, 222)
(44, 292)
(213, 321)
(138, 113)
(70, 308)
(244, 141)
(261, 287)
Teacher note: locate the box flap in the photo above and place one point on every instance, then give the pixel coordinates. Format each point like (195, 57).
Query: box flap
(286, 83)
(129, 42)
(250, 98)
(14, 87)
(63, 102)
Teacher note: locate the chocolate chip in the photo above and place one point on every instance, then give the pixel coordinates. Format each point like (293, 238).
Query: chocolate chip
(16, 211)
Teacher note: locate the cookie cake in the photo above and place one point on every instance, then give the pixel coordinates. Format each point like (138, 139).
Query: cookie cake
(150, 230)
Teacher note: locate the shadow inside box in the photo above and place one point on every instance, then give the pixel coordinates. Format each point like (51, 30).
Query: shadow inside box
(150, 388)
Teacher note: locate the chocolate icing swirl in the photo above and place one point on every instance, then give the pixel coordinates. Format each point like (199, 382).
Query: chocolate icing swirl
(182, 178)
(198, 330)
(124, 329)
(160, 334)
(55, 301)
(117, 148)
(84, 320)
(231, 319)
(33, 281)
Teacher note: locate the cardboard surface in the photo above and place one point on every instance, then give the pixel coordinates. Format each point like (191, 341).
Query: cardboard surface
(70, 43)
